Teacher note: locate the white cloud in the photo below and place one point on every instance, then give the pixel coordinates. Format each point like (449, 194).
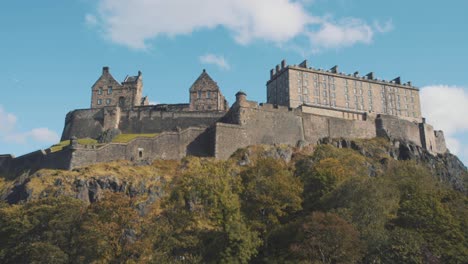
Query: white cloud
(385, 27)
(446, 108)
(7, 121)
(219, 61)
(9, 133)
(91, 20)
(135, 22)
(344, 33)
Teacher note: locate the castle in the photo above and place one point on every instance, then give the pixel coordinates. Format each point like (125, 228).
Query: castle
(303, 106)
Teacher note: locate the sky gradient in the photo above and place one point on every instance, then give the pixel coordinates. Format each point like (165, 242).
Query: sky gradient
(53, 51)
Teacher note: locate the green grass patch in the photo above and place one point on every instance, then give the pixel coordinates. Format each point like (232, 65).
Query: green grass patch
(81, 141)
(125, 138)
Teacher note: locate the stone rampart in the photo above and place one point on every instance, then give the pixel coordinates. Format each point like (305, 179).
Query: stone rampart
(168, 145)
(139, 120)
(395, 128)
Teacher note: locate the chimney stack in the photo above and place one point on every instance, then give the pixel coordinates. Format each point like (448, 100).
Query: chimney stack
(334, 69)
(303, 64)
(397, 80)
(277, 68)
(105, 69)
(356, 73)
(272, 73)
(370, 76)
(283, 64)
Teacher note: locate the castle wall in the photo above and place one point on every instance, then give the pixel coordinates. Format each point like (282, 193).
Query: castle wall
(146, 120)
(229, 138)
(34, 161)
(83, 123)
(395, 128)
(92, 122)
(167, 146)
(266, 124)
(441, 147)
(317, 127)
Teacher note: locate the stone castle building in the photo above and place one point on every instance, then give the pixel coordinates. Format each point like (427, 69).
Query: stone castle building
(304, 106)
(301, 85)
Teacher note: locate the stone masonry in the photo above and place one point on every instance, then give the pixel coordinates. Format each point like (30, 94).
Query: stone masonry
(206, 127)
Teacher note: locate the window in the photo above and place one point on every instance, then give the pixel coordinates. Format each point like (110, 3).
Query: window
(300, 98)
(324, 93)
(306, 91)
(100, 90)
(99, 101)
(347, 104)
(333, 103)
(370, 92)
(354, 90)
(199, 94)
(333, 95)
(109, 90)
(299, 89)
(325, 101)
(316, 101)
(316, 92)
(346, 97)
(208, 94)
(108, 101)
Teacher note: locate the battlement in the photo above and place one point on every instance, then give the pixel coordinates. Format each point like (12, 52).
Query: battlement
(333, 71)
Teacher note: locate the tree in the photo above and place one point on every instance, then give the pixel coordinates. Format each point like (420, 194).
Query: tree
(327, 238)
(270, 192)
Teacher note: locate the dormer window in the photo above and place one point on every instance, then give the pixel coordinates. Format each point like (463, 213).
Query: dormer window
(100, 91)
(109, 90)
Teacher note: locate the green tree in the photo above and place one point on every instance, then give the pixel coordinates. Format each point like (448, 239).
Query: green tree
(327, 238)
(30, 231)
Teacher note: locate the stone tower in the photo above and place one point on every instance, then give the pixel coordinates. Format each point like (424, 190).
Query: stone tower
(108, 92)
(205, 95)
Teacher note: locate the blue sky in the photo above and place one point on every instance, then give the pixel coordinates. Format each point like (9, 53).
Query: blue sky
(52, 52)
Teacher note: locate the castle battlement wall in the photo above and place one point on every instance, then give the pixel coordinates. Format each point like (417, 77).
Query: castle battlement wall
(168, 145)
(139, 120)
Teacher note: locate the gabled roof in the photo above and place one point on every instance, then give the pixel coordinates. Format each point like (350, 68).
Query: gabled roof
(107, 76)
(204, 82)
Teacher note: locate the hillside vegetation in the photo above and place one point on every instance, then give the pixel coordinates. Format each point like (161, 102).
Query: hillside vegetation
(339, 202)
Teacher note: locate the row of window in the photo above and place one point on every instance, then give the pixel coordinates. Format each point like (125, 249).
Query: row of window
(101, 90)
(200, 93)
(108, 101)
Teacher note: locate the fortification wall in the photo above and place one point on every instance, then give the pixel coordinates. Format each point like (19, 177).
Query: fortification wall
(396, 128)
(317, 127)
(92, 122)
(168, 146)
(34, 161)
(83, 123)
(441, 147)
(147, 120)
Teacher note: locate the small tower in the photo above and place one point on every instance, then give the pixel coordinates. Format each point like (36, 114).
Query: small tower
(205, 95)
(106, 91)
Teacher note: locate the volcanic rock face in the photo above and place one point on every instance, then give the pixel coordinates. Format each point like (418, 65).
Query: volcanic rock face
(447, 167)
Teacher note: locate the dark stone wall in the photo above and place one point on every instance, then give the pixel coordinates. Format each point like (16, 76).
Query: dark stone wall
(92, 122)
(83, 123)
(35, 161)
(150, 121)
(168, 146)
(396, 128)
